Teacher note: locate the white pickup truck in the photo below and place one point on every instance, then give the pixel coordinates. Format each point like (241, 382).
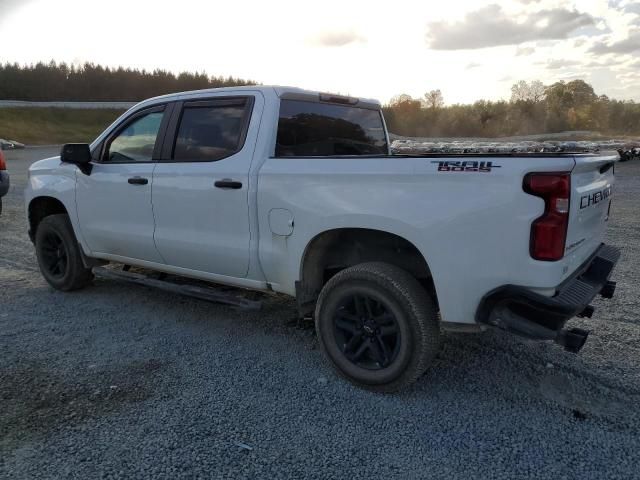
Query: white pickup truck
(292, 191)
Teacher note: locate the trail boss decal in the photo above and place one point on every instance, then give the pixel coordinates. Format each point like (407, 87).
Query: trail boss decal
(595, 198)
(464, 166)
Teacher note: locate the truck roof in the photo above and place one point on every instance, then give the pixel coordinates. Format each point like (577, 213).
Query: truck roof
(279, 91)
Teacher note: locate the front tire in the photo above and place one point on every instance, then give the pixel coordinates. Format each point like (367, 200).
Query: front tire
(377, 326)
(59, 256)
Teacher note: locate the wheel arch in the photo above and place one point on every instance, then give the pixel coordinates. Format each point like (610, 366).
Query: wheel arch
(41, 207)
(336, 249)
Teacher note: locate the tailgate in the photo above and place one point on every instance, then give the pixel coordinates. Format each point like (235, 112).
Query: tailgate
(591, 192)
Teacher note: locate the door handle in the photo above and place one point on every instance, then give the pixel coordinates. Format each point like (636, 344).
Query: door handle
(138, 181)
(228, 183)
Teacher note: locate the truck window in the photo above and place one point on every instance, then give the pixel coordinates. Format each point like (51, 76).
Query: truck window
(211, 131)
(136, 142)
(325, 129)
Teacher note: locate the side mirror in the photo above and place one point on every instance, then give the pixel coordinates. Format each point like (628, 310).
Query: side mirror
(79, 154)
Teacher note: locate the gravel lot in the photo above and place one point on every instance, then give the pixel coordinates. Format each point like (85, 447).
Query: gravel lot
(124, 381)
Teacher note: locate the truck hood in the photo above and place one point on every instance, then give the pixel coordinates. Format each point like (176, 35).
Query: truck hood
(45, 164)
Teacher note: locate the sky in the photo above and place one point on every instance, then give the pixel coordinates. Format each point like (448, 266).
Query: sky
(467, 49)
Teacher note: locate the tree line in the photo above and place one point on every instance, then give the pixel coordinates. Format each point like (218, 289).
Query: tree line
(90, 82)
(533, 108)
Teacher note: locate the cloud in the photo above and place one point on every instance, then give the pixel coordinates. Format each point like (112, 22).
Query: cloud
(608, 62)
(629, 77)
(490, 26)
(632, 8)
(472, 65)
(558, 63)
(524, 51)
(634, 64)
(337, 38)
(7, 7)
(628, 45)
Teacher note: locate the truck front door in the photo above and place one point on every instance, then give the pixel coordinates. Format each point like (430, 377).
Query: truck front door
(114, 200)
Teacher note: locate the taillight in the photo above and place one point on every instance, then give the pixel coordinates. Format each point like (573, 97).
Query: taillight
(549, 231)
(3, 164)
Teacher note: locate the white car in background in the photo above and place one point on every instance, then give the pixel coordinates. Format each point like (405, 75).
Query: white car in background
(10, 144)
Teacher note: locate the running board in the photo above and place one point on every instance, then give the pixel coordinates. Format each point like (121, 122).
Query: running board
(208, 294)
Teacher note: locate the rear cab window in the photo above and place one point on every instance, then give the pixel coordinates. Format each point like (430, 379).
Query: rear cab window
(320, 129)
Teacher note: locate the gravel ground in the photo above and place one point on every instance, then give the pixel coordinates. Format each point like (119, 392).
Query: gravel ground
(122, 381)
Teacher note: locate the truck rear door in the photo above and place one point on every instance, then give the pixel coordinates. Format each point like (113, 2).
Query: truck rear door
(201, 185)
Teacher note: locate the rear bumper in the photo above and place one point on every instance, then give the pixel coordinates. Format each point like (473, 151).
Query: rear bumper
(529, 314)
(4, 182)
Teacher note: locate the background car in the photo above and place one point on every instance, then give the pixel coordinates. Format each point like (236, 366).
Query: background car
(4, 178)
(10, 144)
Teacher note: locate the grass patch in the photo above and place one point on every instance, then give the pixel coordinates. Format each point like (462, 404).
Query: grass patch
(48, 126)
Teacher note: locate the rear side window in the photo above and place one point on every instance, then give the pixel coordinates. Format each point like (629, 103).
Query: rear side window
(211, 130)
(324, 129)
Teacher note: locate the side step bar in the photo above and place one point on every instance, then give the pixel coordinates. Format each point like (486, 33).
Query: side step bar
(208, 294)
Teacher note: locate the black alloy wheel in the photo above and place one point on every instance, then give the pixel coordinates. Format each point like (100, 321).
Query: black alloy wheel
(367, 331)
(54, 255)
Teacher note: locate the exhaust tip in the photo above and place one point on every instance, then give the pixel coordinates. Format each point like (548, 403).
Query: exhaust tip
(573, 339)
(608, 289)
(587, 312)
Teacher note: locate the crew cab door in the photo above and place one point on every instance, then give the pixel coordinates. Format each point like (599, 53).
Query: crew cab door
(114, 200)
(201, 185)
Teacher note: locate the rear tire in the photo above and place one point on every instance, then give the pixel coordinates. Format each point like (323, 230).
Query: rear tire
(59, 256)
(377, 326)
